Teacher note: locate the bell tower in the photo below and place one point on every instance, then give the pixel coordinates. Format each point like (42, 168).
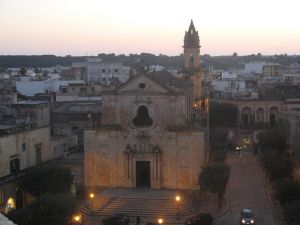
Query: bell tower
(191, 49)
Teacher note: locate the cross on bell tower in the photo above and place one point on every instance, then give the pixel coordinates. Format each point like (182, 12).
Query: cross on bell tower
(191, 49)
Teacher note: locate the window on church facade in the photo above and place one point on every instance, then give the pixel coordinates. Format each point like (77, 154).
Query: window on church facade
(142, 119)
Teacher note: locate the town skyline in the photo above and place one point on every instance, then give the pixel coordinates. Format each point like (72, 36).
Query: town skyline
(91, 27)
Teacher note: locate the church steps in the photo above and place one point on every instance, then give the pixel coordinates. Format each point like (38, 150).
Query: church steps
(145, 207)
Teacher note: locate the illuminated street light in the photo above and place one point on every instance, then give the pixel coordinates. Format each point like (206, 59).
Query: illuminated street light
(160, 221)
(77, 219)
(92, 195)
(177, 198)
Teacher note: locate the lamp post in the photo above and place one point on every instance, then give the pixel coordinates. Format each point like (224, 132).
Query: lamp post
(177, 198)
(160, 221)
(92, 197)
(77, 219)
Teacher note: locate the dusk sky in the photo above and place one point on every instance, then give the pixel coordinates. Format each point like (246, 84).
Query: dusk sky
(89, 27)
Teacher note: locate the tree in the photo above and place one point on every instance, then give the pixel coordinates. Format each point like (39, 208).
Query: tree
(20, 216)
(219, 154)
(23, 71)
(272, 140)
(47, 179)
(288, 191)
(277, 165)
(223, 113)
(235, 54)
(53, 209)
(214, 178)
(292, 213)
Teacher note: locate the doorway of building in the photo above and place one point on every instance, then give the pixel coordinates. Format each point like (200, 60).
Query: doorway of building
(142, 173)
(272, 120)
(19, 198)
(244, 120)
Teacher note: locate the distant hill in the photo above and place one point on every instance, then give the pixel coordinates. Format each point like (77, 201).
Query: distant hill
(174, 62)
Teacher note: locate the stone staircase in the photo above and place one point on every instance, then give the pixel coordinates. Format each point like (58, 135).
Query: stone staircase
(75, 163)
(147, 203)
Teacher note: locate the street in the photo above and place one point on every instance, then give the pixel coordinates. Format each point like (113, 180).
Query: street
(246, 190)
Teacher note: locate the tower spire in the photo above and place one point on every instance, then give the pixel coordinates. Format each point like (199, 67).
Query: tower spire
(191, 48)
(192, 27)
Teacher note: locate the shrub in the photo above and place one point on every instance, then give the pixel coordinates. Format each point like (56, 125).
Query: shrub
(214, 179)
(277, 165)
(52, 209)
(292, 213)
(219, 155)
(20, 216)
(287, 191)
(47, 179)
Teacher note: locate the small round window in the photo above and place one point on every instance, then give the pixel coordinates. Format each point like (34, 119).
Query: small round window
(142, 85)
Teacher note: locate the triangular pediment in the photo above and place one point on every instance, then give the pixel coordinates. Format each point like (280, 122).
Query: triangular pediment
(142, 84)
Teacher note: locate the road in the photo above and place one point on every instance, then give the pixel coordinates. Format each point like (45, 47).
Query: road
(246, 190)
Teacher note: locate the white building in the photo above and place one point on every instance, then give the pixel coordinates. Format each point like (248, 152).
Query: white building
(102, 72)
(254, 67)
(154, 68)
(29, 87)
(229, 74)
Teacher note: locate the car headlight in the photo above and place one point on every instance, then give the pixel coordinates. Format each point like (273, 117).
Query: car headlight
(252, 221)
(243, 221)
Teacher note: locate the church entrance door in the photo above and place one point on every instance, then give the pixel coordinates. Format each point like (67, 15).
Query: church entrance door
(142, 173)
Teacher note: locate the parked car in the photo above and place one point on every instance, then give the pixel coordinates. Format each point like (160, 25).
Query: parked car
(247, 217)
(200, 219)
(116, 219)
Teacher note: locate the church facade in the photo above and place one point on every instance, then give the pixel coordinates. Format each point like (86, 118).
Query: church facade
(147, 136)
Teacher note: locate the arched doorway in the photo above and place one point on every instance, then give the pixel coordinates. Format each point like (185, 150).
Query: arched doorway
(260, 117)
(273, 116)
(246, 116)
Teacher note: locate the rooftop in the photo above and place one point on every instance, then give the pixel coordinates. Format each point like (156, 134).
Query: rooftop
(31, 102)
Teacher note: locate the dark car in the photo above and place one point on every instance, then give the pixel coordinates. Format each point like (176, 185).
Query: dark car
(116, 219)
(200, 219)
(247, 217)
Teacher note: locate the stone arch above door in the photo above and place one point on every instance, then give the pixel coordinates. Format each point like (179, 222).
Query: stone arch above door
(246, 114)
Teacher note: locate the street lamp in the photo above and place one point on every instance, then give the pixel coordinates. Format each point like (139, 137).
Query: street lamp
(160, 221)
(77, 219)
(92, 195)
(177, 198)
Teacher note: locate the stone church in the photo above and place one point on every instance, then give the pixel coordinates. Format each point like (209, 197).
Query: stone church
(148, 136)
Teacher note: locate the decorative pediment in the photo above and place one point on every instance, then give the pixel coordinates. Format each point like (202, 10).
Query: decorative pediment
(142, 84)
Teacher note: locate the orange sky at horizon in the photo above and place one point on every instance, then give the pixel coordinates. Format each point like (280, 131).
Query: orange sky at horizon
(90, 27)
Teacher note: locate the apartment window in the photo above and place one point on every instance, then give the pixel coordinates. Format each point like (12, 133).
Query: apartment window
(83, 90)
(116, 70)
(38, 154)
(14, 165)
(103, 70)
(23, 147)
(64, 90)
